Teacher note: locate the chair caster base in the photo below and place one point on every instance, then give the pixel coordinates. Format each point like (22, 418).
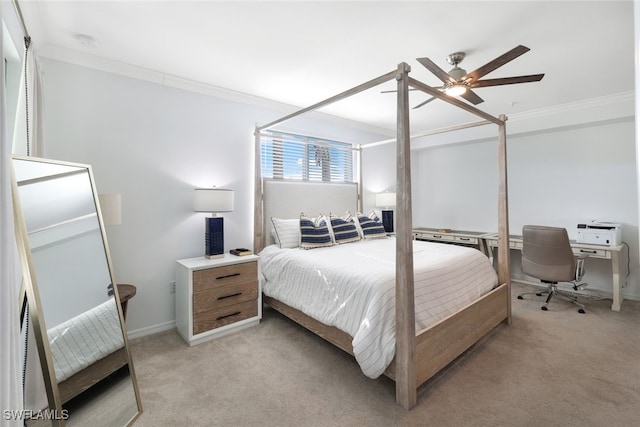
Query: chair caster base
(581, 311)
(520, 297)
(544, 308)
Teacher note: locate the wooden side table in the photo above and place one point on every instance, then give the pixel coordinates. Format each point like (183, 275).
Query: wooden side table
(125, 292)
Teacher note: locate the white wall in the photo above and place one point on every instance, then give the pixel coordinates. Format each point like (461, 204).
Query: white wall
(558, 177)
(154, 144)
(378, 173)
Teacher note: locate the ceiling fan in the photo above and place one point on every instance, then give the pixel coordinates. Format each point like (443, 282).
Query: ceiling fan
(457, 82)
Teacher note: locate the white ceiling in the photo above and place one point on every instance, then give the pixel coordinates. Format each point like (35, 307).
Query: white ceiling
(301, 52)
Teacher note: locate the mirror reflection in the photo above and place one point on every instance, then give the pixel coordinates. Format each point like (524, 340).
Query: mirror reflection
(78, 304)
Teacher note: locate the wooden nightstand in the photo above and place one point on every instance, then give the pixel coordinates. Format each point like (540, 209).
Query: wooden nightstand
(217, 296)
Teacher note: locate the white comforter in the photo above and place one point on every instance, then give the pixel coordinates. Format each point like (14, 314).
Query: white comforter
(85, 339)
(352, 287)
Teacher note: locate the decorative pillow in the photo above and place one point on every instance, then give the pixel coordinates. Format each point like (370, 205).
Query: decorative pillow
(357, 223)
(371, 226)
(314, 233)
(344, 229)
(286, 232)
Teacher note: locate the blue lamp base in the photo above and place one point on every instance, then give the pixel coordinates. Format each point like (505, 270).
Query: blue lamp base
(214, 237)
(387, 220)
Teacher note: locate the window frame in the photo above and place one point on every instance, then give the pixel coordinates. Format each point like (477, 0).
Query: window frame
(328, 168)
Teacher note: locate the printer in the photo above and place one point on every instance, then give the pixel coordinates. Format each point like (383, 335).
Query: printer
(600, 233)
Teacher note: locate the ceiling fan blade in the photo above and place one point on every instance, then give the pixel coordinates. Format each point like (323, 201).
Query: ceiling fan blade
(498, 62)
(472, 97)
(425, 102)
(439, 72)
(507, 81)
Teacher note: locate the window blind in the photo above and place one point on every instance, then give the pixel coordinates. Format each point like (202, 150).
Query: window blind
(303, 158)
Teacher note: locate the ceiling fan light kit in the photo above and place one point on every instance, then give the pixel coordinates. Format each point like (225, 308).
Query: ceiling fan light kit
(455, 89)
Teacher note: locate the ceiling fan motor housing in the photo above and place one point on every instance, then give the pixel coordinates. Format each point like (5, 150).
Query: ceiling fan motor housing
(457, 73)
(455, 58)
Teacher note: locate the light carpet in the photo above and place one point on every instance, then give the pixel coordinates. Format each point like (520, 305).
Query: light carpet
(555, 368)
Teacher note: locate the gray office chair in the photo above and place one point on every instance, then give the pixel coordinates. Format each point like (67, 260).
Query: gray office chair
(547, 256)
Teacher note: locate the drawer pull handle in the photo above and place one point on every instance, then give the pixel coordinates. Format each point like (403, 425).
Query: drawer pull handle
(466, 239)
(227, 276)
(228, 315)
(584, 251)
(437, 237)
(230, 296)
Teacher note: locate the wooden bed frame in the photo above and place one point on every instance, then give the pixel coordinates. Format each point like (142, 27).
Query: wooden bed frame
(92, 375)
(419, 354)
(435, 348)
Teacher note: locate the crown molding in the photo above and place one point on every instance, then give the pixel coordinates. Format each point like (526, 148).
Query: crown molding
(589, 112)
(584, 111)
(615, 99)
(127, 70)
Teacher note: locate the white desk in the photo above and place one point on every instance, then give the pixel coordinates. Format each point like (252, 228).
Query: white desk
(458, 237)
(612, 253)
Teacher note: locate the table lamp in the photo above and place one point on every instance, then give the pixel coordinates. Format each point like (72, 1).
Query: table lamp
(386, 201)
(214, 200)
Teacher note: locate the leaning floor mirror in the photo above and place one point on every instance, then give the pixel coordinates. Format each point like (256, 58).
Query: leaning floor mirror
(81, 372)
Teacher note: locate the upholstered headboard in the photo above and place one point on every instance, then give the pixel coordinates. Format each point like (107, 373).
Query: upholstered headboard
(287, 199)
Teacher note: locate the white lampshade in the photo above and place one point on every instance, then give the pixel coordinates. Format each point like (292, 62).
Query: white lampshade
(213, 200)
(111, 208)
(384, 200)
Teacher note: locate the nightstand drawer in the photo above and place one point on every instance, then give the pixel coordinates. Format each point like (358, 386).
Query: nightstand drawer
(208, 320)
(222, 296)
(205, 280)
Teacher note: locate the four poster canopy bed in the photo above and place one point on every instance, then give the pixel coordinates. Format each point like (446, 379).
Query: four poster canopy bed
(401, 307)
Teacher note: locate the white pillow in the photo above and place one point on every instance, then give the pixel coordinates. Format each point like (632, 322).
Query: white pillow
(287, 232)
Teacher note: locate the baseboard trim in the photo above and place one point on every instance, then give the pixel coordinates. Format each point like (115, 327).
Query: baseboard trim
(150, 330)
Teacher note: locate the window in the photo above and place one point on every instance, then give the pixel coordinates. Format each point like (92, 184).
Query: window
(297, 157)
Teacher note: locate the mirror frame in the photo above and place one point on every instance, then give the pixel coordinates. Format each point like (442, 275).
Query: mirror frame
(30, 295)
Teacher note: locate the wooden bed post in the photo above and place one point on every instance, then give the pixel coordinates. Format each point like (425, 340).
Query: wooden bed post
(406, 386)
(504, 255)
(258, 212)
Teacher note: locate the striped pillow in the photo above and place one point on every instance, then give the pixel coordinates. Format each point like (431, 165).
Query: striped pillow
(371, 226)
(314, 233)
(286, 232)
(344, 229)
